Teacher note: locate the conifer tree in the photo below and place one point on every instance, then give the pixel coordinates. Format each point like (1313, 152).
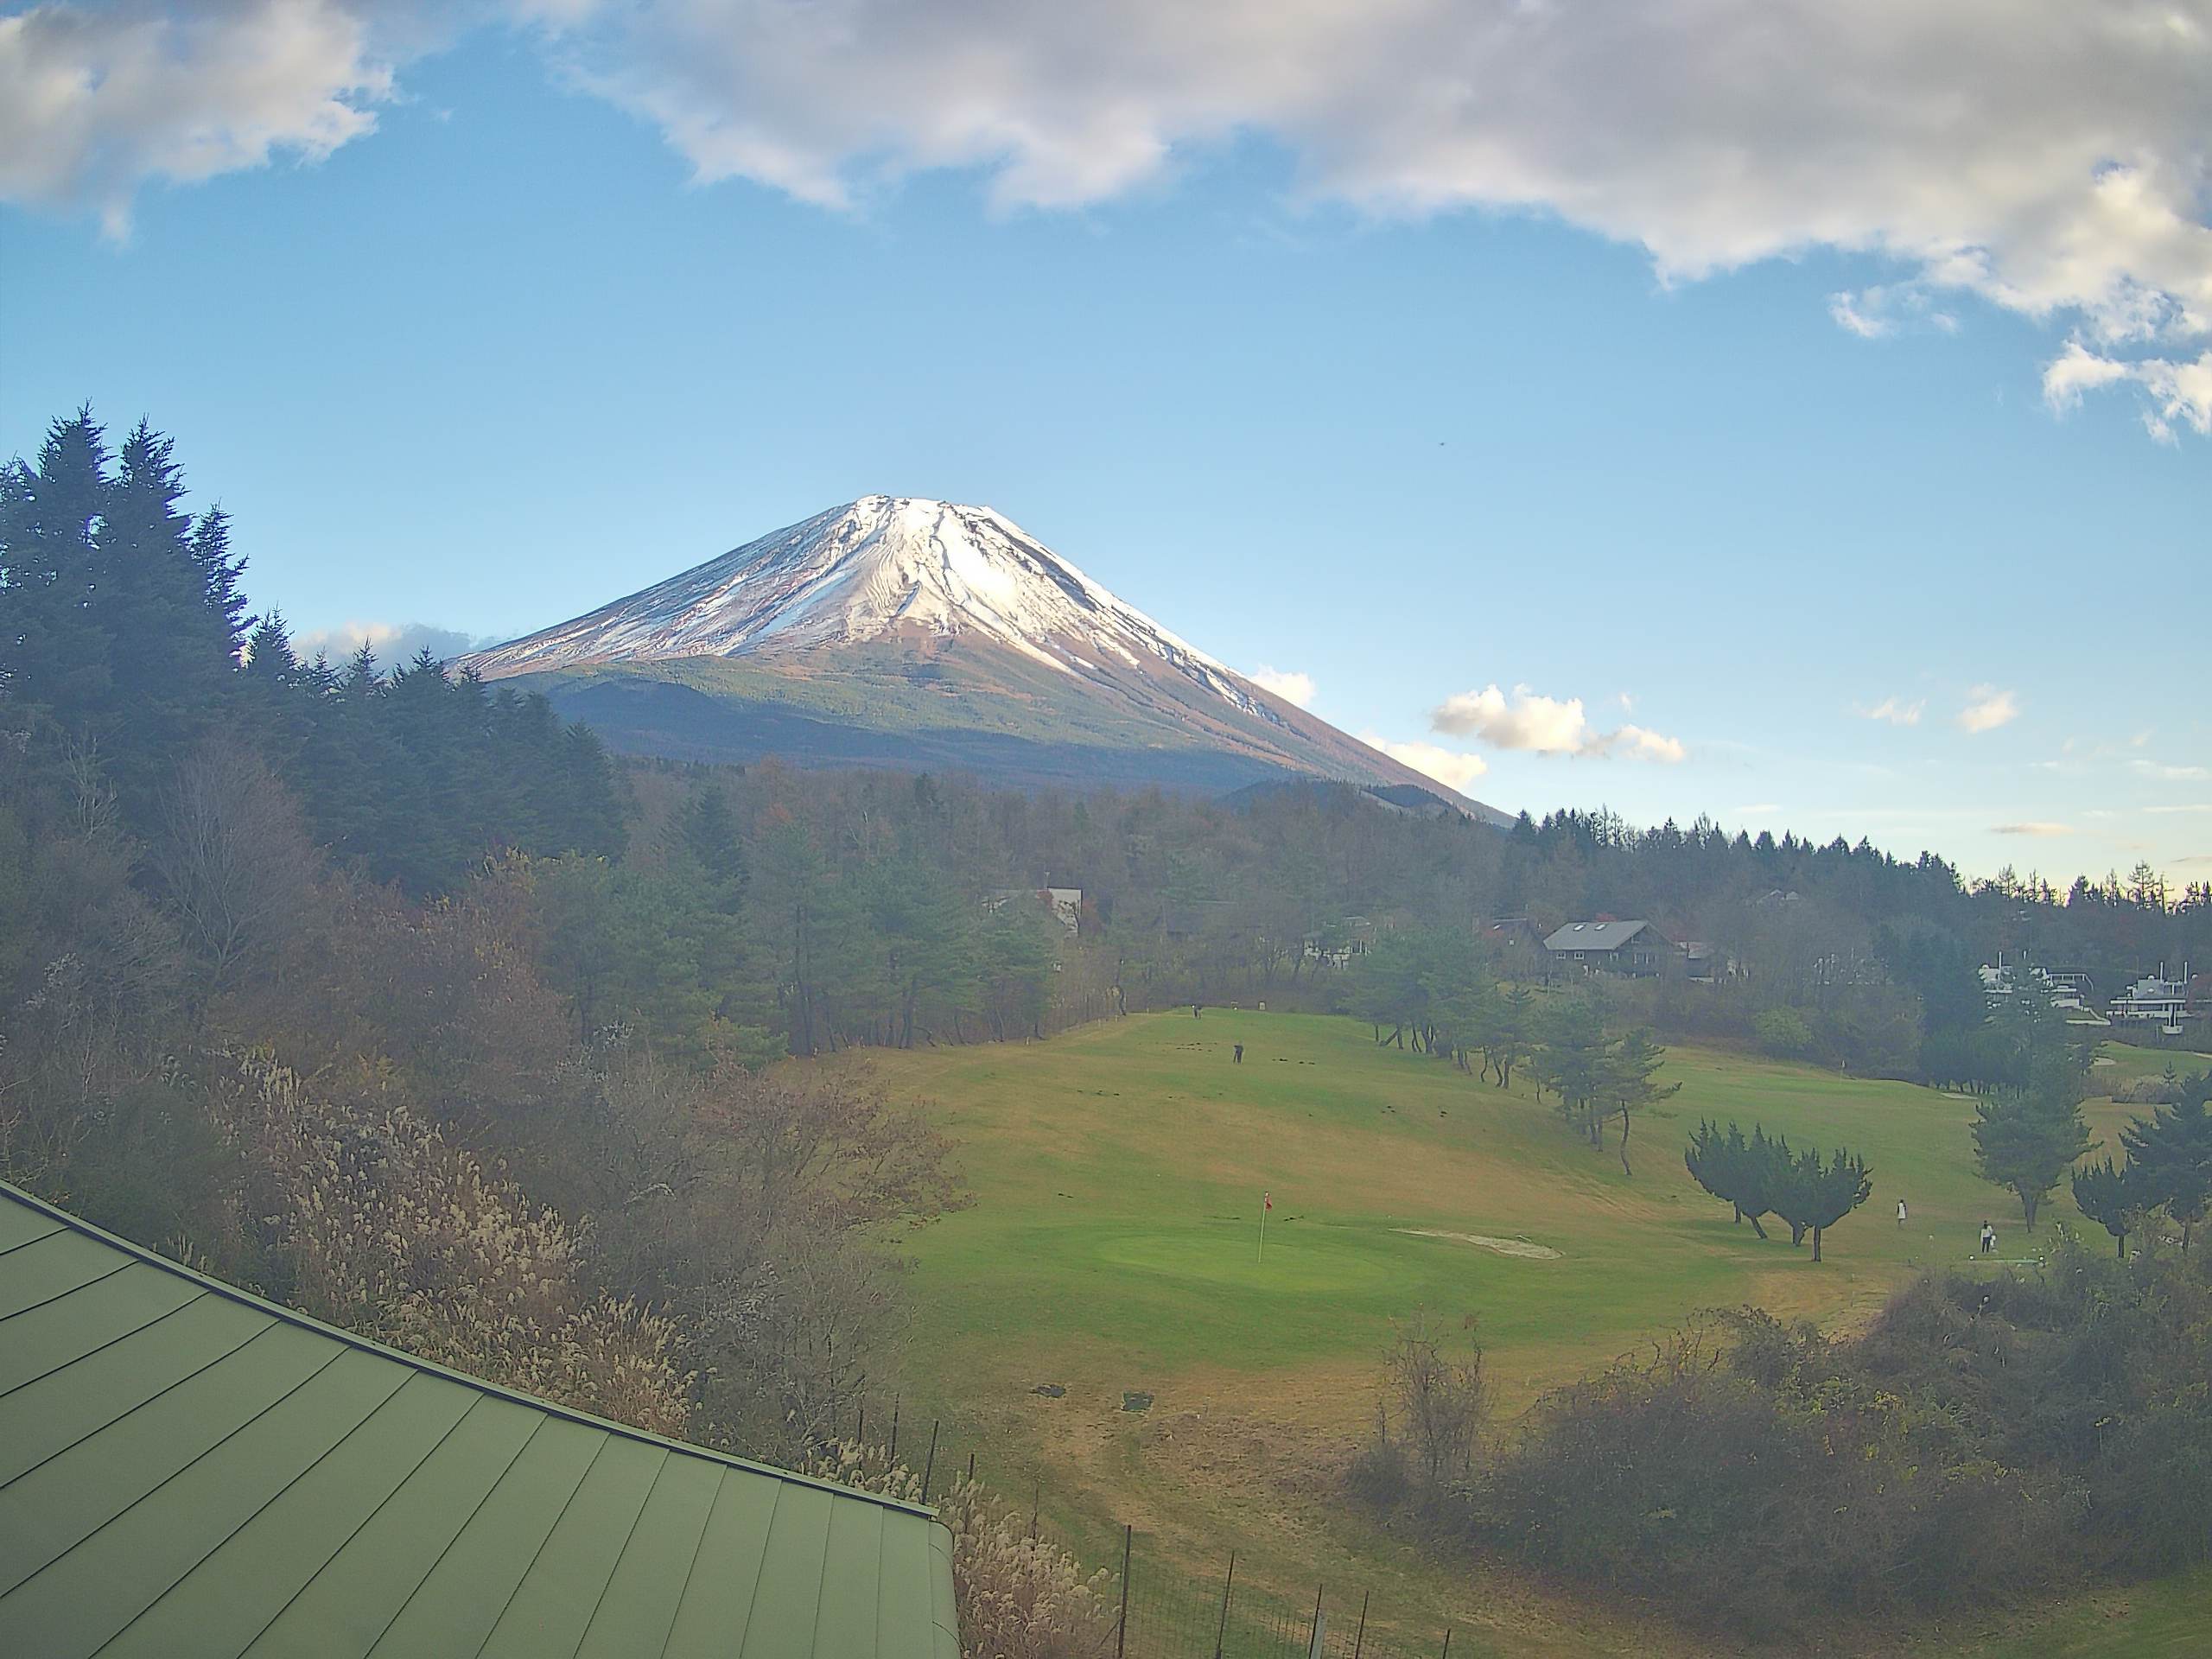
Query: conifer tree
(1813, 1194)
(2173, 1148)
(2111, 1196)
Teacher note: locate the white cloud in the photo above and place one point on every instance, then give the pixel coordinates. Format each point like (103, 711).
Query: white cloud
(394, 643)
(1544, 725)
(2034, 827)
(2191, 806)
(1896, 710)
(1639, 743)
(2171, 774)
(94, 102)
(2174, 390)
(2048, 157)
(1885, 308)
(1450, 767)
(1987, 708)
(1759, 809)
(1290, 687)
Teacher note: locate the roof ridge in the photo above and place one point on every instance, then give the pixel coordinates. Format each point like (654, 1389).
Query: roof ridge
(354, 1339)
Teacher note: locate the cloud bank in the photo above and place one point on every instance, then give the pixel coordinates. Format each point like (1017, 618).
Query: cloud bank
(1450, 767)
(1545, 726)
(1291, 688)
(2050, 157)
(395, 644)
(96, 102)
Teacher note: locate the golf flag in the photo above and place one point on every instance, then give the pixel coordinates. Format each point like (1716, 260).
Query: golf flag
(1266, 1203)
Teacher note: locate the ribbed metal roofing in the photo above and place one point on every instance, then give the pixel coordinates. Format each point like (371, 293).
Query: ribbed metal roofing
(187, 1470)
(1594, 936)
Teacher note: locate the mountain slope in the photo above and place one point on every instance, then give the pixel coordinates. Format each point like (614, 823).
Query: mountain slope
(922, 634)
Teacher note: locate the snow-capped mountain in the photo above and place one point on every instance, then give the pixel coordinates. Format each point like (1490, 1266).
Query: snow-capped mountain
(896, 631)
(879, 565)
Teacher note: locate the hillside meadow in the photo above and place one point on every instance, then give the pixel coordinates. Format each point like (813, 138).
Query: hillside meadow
(1113, 1248)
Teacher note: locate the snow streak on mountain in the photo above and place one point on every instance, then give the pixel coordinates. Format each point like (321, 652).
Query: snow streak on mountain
(883, 565)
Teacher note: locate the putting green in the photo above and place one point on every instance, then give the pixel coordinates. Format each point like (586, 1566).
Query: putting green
(1300, 1260)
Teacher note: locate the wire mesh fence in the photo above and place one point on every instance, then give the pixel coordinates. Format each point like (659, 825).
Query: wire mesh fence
(1161, 1609)
(1164, 1614)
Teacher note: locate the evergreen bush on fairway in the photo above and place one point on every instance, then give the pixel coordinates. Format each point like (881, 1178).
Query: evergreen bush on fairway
(1984, 1439)
(1760, 1177)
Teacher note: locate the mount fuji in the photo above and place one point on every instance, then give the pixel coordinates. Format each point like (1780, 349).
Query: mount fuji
(927, 636)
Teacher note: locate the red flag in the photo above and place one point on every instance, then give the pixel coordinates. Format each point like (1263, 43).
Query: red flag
(1266, 1203)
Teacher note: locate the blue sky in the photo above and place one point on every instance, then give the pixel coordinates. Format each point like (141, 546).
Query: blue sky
(533, 332)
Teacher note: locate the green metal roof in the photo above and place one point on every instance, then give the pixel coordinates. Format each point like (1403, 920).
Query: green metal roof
(187, 1470)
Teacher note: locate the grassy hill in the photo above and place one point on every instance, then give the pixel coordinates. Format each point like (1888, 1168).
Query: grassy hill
(1114, 1247)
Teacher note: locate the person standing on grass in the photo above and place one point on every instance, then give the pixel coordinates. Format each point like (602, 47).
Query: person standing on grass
(1900, 1212)
(1240, 1052)
(1988, 1239)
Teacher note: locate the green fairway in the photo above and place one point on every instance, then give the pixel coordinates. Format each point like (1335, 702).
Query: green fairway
(1114, 1247)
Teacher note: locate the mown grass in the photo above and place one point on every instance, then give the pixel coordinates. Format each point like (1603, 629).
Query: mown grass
(1113, 1247)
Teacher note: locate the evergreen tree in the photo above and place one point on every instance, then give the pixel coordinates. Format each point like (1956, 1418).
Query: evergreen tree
(113, 622)
(1750, 1175)
(1630, 1081)
(54, 649)
(2172, 1149)
(2024, 1142)
(1813, 1194)
(2111, 1196)
(2027, 1135)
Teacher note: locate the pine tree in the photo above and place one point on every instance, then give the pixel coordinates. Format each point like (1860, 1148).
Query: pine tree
(1631, 1074)
(2111, 1196)
(2024, 1142)
(2027, 1135)
(1814, 1194)
(2173, 1150)
(53, 649)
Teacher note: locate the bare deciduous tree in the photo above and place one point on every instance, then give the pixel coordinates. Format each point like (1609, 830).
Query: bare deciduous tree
(233, 856)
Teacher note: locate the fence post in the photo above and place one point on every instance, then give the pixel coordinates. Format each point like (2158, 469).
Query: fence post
(1221, 1631)
(1036, 1497)
(892, 1455)
(929, 1468)
(1122, 1625)
(1313, 1637)
(1448, 1642)
(1359, 1641)
(971, 1468)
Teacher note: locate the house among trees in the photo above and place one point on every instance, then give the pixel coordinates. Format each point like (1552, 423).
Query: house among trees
(1633, 947)
(1518, 946)
(1705, 961)
(215, 1472)
(2156, 999)
(1064, 903)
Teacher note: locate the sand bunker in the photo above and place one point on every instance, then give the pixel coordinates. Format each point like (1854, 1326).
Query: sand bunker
(1503, 1246)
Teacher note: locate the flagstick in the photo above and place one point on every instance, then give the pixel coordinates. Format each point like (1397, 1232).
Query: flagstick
(1263, 1230)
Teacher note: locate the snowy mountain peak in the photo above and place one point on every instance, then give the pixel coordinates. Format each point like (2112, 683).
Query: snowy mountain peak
(880, 566)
